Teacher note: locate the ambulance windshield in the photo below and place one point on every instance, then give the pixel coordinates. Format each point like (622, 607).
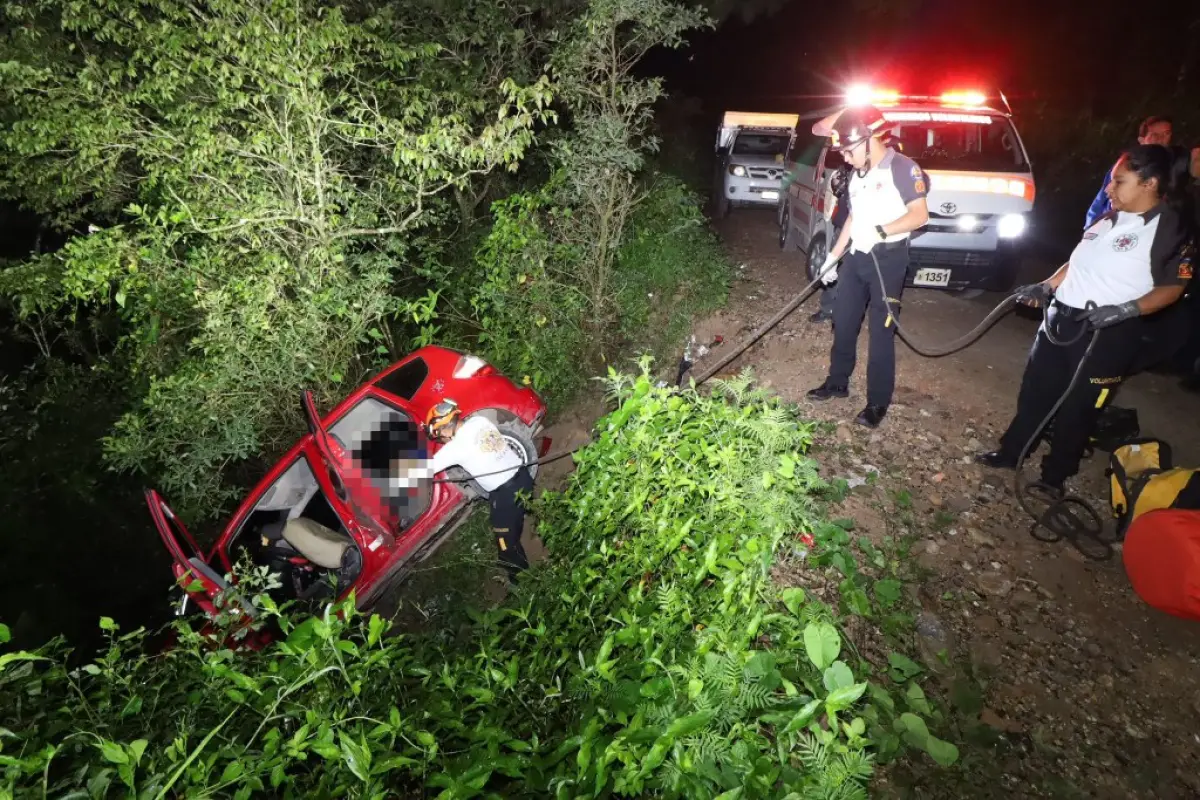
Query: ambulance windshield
(958, 141)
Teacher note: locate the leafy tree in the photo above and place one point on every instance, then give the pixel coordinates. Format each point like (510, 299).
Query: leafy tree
(251, 172)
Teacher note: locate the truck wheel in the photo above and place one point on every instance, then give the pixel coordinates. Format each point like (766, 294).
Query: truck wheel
(817, 251)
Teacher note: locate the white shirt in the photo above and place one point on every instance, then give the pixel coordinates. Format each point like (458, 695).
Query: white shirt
(1122, 256)
(882, 196)
(480, 449)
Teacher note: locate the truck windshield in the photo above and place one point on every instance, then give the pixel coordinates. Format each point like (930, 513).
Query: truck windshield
(760, 144)
(979, 142)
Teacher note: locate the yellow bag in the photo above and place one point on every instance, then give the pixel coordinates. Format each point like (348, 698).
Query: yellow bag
(1143, 479)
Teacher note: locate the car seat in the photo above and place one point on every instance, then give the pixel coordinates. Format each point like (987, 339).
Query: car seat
(320, 545)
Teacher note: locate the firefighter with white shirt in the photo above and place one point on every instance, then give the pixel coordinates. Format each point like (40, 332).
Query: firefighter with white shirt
(886, 201)
(478, 447)
(1133, 261)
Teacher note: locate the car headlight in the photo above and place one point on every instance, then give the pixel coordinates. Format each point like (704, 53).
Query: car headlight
(1011, 226)
(737, 170)
(468, 366)
(968, 222)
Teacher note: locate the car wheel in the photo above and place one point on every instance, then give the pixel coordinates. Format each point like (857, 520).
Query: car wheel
(788, 240)
(817, 252)
(516, 436)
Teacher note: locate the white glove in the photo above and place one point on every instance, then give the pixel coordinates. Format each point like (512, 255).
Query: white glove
(829, 270)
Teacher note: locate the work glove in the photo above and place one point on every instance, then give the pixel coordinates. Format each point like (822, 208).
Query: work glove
(829, 270)
(1034, 294)
(1105, 316)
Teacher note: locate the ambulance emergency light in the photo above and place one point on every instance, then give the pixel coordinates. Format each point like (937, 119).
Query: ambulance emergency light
(862, 94)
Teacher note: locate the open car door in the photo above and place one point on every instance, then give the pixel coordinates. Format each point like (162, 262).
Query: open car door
(348, 483)
(200, 582)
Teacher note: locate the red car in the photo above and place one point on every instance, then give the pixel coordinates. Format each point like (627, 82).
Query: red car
(326, 517)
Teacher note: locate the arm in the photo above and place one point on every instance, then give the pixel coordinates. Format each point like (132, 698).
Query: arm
(1099, 206)
(916, 216)
(1158, 298)
(1055, 280)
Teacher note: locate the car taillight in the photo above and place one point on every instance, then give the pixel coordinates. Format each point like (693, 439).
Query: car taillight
(469, 366)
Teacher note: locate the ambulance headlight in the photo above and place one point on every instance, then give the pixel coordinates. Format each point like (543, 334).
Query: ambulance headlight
(737, 171)
(968, 223)
(1011, 226)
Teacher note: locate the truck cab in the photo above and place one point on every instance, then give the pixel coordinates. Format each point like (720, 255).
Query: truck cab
(750, 159)
(981, 188)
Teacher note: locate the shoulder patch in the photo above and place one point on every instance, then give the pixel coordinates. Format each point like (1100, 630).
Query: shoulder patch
(916, 171)
(919, 186)
(1185, 262)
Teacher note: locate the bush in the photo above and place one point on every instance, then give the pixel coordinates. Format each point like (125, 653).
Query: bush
(651, 655)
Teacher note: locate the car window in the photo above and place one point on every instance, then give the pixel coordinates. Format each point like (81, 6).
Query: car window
(404, 381)
(381, 439)
(975, 142)
(760, 144)
(807, 150)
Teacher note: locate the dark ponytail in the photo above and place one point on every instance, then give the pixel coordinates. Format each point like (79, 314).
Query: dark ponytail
(1169, 166)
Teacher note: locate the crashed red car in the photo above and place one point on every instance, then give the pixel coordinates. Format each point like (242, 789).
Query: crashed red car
(324, 518)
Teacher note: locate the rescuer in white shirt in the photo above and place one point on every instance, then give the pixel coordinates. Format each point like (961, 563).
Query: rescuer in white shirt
(480, 449)
(886, 201)
(1134, 260)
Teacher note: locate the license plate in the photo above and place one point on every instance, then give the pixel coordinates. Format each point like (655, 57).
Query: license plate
(932, 277)
(770, 195)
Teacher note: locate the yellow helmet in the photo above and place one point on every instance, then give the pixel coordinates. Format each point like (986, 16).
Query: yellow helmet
(442, 416)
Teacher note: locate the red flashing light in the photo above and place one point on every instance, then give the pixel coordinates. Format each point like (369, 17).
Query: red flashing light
(866, 95)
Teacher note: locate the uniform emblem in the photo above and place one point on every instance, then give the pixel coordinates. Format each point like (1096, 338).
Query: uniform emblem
(879, 186)
(916, 171)
(919, 186)
(1185, 263)
(491, 442)
(1125, 242)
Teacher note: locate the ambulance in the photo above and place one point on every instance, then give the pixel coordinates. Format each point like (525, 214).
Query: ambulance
(750, 151)
(981, 188)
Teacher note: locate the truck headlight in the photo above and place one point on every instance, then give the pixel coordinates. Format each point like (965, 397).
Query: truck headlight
(968, 222)
(737, 170)
(1011, 226)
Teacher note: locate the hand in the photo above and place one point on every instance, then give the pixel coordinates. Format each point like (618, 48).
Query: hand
(1105, 316)
(829, 270)
(1034, 294)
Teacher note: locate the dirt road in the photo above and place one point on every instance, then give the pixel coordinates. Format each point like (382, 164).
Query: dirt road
(1083, 691)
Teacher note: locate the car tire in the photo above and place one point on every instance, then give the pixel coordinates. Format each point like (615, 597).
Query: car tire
(517, 435)
(817, 251)
(789, 240)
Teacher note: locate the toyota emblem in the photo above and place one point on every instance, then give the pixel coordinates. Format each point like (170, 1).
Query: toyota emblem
(948, 208)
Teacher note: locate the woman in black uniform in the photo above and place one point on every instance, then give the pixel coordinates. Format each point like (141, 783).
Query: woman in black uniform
(1133, 261)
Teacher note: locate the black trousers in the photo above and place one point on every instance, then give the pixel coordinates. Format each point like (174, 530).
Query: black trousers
(858, 293)
(1048, 372)
(508, 517)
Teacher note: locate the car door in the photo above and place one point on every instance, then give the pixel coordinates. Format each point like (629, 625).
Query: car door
(200, 583)
(349, 487)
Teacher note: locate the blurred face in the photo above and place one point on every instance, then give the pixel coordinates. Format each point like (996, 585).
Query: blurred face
(1128, 192)
(856, 155)
(1158, 133)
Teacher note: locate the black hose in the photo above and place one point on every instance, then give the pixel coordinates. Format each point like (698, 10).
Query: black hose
(1059, 517)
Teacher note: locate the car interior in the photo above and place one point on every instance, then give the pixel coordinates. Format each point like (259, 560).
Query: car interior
(294, 530)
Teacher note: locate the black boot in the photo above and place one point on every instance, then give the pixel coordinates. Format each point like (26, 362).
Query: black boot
(996, 459)
(871, 416)
(827, 390)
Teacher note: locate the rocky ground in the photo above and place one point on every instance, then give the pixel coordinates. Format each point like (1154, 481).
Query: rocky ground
(1066, 683)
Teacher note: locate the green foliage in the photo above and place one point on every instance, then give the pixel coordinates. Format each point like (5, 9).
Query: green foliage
(652, 654)
(255, 170)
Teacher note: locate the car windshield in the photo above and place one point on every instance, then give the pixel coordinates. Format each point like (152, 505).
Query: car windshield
(980, 142)
(760, 144)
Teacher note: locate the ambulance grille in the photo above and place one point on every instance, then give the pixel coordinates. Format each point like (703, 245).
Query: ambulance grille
(931, 257)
